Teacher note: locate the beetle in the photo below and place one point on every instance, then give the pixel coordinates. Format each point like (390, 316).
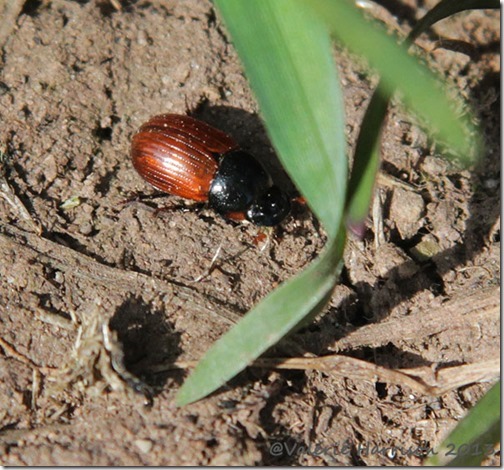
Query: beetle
(186, 157)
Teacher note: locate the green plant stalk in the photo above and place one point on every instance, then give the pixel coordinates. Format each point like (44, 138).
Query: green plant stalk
(287, 54)
(269, 321)
(420, 89)
(474, 437)
(366, 162)
(290, 68)
(367, 154)
(447, 8)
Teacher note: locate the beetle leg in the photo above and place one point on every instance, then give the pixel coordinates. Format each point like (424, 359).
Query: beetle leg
(138, 197)
(182, 207)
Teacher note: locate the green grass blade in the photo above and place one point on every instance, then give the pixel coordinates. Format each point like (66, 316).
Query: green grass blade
(447, 8)
(287, 54)
(366, 162)
(474, 437)
(367, 151)
(278, 314)
(420, 90)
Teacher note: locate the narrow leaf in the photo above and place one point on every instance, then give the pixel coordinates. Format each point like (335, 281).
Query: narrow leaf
(366, 162)
(420, 89)
(447, 8)
(265, 325)
(474, 437)
(287, 54)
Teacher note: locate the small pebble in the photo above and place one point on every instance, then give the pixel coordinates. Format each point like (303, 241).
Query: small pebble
(144, 445)
(406, 212)
(425, 249)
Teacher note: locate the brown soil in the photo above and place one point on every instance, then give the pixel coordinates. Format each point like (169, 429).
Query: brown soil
(419, 293)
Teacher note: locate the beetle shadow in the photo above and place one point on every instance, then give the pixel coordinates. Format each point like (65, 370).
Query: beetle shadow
(147, 340)
(248, 131)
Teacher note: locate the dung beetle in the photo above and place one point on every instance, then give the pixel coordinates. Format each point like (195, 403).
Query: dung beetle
(186, 157)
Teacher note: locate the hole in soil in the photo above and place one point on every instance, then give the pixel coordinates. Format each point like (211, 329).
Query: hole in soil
(31, 8)
(26, 111)
(360, 317)
(106, 8)
(408, 243)
(103, 133)
(387, 421)
(212, 442)
(4, 88)
(381, 390)
(211, 19)
(457, 181)
(437, 286)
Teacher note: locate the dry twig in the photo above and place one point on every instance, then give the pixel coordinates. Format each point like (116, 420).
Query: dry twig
(462, 312)
(422, 380)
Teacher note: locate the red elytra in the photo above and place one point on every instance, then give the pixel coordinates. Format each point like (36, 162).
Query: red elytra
(179, 154)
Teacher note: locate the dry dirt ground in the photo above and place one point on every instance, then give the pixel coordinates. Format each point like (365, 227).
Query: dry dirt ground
(420, 292)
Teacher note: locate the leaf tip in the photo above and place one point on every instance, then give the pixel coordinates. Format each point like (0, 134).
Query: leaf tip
(185, 397)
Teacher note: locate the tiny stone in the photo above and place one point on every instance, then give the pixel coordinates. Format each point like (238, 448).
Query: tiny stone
(491, 183)
(86, 228)
(50, 169)
(144, 445)
(142, 38)
(406, 211)
(434, 166)
(425, 249)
